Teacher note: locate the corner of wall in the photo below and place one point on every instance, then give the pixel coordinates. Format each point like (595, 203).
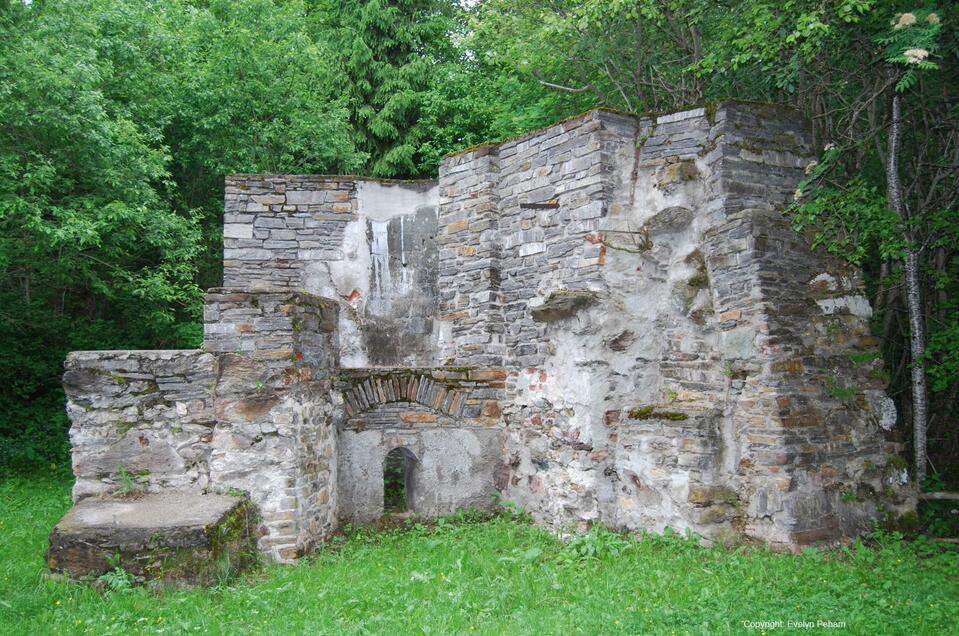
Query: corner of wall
(805, 451)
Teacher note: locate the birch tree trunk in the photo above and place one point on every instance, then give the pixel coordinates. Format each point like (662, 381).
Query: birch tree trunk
(917, 344)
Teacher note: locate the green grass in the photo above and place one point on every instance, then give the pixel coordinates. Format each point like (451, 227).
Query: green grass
(499, 576)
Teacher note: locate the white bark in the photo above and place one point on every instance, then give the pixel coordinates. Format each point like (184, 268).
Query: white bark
(917, 344)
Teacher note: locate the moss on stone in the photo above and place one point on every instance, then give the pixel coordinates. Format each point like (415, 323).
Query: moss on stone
(231, 547)
(458, 369)
(124, 427)
(836, 390)
(712, 495)
(907, 523)
(649, 412)
(896, 462)
(862, 358)
(641, 413)
(711, 108)
(699, 280)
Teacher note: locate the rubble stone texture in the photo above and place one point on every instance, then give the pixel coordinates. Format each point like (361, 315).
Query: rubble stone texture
(608, 320)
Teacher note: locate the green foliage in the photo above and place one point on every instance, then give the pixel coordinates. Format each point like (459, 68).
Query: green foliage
(942, 352)
(699, 280)
(118, 580)
(650, 412)
(850, 221)
(910, 41)
(932, 483)
(598, 544)
(511, 510)
(939, 518)
(394, 481)
(89, 246)
(837, 390)
(118, 121)
(863, 358)
(386, 52)
(255, 91)
(492, 577)
(127, 485)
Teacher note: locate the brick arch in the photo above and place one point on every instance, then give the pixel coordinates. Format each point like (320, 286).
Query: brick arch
(422, 389)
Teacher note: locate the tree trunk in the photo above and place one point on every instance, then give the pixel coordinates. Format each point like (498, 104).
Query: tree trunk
(917, 345)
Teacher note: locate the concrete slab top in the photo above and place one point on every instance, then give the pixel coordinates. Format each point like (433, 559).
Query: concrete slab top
(156, 511)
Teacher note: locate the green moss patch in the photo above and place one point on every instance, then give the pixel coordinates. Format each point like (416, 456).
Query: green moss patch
(649, 412)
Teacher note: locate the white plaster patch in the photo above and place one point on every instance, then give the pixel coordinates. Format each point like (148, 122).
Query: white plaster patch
(529, 249)
(352, 350)
(885, 409)
(828, 279)
(685, 114)
(384, 201)
(339, 279)
(898, 478)
(238, 230)
(856, 305)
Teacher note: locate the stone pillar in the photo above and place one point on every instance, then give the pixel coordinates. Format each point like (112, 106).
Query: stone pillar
(471, 318)
(274, 438)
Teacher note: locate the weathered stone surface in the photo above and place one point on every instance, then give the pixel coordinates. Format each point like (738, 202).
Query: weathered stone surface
(179, 538)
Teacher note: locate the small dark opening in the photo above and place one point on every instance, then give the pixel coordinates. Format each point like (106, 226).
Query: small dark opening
(397, 480)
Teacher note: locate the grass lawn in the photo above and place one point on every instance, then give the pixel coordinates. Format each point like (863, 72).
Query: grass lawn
(493, 577)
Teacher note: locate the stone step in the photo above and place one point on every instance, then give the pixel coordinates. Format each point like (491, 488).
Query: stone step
(180, 538)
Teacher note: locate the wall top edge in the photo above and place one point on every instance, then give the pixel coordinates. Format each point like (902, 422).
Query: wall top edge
(705, 109)
(319, 178)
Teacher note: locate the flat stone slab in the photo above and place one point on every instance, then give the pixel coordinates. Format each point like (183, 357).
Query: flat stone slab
(180, 538)
(562, 303)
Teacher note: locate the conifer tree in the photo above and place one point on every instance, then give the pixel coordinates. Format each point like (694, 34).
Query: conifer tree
(387, 50)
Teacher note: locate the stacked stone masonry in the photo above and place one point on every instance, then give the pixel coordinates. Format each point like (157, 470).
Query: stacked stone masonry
(609, 320)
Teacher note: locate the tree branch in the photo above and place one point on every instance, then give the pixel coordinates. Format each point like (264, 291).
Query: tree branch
(560, 87)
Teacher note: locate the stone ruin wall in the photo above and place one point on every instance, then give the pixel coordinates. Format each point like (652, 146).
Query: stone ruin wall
(251, 413)
(713, 373)
(367, 244)
(607, 320)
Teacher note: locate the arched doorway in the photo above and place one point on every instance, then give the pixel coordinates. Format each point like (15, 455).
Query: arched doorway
(398, 467)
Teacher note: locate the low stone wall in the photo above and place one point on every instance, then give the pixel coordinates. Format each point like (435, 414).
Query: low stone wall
(149, 412)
